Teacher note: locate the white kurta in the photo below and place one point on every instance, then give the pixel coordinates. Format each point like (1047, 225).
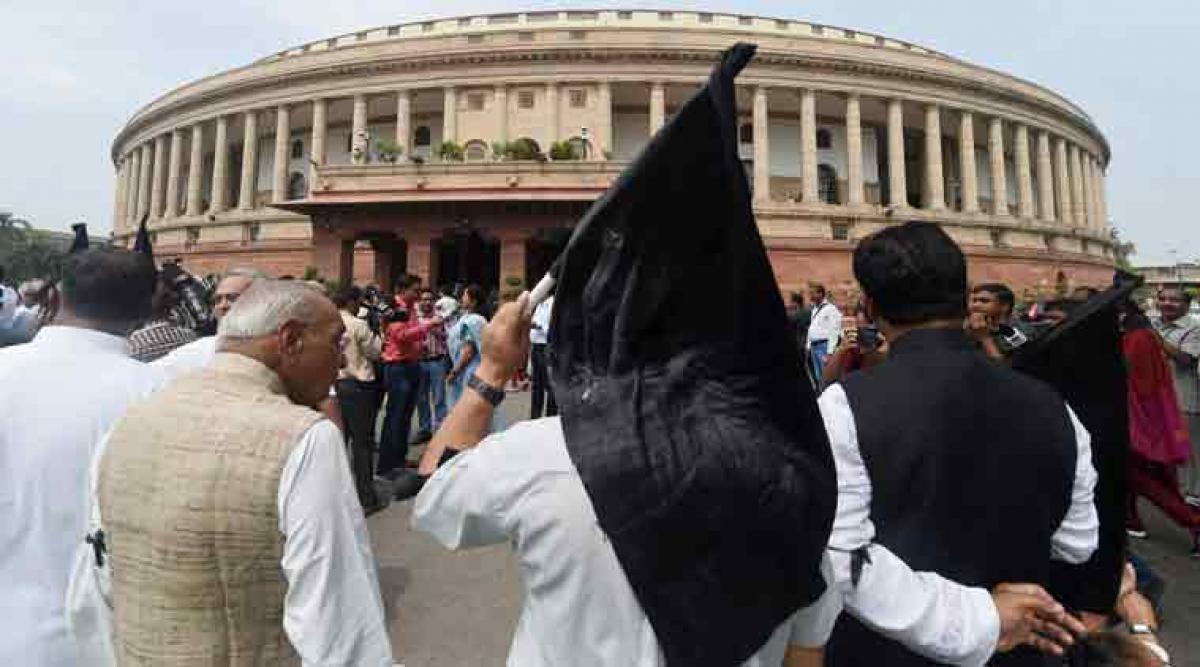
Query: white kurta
(196, 354)
(60, 394)
(929, 614)
(579, 609)
(826, 325)
(333, 613)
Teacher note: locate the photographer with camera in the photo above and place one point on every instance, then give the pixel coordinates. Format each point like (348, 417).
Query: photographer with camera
(861, 347)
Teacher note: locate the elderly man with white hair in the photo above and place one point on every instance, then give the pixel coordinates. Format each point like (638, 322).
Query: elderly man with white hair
(231, 528)
(198, 353)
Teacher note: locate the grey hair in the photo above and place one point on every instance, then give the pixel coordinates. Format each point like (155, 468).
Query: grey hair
(266, 306)
(246, 272)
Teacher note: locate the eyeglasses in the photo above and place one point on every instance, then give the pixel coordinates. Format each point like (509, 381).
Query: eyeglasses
(229, 297)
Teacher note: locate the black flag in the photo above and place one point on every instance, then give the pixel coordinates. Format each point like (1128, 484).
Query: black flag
(80, 242)
(684, 404)
(142, 242)
(1081, 358)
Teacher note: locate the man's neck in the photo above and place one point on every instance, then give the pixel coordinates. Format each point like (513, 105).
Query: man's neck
(894, 332)
(75, 322)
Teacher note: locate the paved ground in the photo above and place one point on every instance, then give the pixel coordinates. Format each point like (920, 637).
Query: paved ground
(459, 609)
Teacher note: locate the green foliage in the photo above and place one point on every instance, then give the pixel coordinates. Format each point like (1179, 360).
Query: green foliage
(523, 148)
(563, 150)
(311, 273)
(27, 253)
(450, 151)
(499, 150)
(389, 151)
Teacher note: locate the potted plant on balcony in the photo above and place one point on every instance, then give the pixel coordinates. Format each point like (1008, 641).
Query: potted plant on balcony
(450, 151)
(562, 150)
(500, 151)
(389, 151)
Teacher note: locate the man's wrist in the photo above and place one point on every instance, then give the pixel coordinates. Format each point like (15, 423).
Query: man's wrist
(492, 373)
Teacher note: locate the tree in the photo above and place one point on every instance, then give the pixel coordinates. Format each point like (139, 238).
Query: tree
(26, 253)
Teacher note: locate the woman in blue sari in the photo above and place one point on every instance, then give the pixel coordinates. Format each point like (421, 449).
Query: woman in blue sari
(465, 342)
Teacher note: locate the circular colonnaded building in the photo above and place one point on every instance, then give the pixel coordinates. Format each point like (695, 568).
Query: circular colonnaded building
(463, 149)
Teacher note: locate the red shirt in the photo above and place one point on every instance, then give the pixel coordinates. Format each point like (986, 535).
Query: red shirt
(405, 341)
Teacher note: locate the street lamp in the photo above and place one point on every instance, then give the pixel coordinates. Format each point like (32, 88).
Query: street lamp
(587, 145)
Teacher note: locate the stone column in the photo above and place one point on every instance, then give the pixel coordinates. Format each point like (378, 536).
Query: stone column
(279, 167)
(156, 186)
(658, 106)
(809, 185)
(174, 166)
(512, 258)
(218, 198)
(898, 186)
(502, 113)
(249, 185)
(1101, 222)
(854, 175)
(1085, 176)
(449, 114)
(143, 206)
(1045, 178)
(604, 133)
(933, 189)
(552, 108)
(1024, 171)
(999, 177)
(195, 166)
(762, 147)
(1078, 211)
(358, 131)
(404, 121)
(316, 148)
(1102, 196)
(118, 219)
(966, 162)
(1062, 190)
(134, 158)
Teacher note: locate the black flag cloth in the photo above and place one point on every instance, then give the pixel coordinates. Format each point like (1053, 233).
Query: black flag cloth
(80, 242)
(142, 242)
(683, 399)
(1081, 358)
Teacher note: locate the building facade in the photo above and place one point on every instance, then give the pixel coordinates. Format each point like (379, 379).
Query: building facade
(463, 149)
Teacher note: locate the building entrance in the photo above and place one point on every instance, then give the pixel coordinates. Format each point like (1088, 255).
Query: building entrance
(467, 257)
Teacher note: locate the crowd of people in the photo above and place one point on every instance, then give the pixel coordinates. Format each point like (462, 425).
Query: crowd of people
(221, 481)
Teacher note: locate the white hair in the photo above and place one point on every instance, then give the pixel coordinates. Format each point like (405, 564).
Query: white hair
(267, 305)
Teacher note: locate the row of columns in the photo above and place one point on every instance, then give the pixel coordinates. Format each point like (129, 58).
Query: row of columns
(1070, 182)
(141, 178)
(1070, 188)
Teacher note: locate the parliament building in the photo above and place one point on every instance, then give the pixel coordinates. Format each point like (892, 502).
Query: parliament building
(464, 149)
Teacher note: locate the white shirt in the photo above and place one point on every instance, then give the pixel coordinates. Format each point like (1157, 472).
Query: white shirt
(333, 613)
(8, 305)
(929, 614)
(521, 486)
(538, 335)
(196, 354)
(59, 394)
(826, 325)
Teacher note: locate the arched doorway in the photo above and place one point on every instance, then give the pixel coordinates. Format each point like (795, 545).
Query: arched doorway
(464, 256)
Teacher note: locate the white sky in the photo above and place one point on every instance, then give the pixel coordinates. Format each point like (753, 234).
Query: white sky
(73, 72)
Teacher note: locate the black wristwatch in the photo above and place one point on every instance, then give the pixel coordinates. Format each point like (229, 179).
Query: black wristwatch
(490, 393)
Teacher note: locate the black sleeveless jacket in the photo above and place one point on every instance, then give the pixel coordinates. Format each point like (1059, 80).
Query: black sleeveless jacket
(971, 469)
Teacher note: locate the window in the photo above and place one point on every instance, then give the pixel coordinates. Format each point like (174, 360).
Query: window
(827, 185)
(840, 231)
(782, 25)
(464, 22)
(193, 235)
(525, 99)
(577, 97)
(666, 16)
(422, 136)
(427, 27)
(361, 37)
(818, 30)
(578, 34)
(705, 18)
(850, 34)
(997, 238)
(297, 149)
(297, 187)
(474, 39)
(331, 43)
(475, 151)
(474, 101)
(625, 16)
(879, 41)
(582, 16)
(746, 133)
(824, 141)
(393, 30)
(525, 36)
(251, 232)
(745, 20)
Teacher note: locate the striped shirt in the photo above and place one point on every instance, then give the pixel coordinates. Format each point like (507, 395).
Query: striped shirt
(156, 338)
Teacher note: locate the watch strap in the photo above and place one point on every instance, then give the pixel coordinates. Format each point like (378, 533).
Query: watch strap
(490, 393)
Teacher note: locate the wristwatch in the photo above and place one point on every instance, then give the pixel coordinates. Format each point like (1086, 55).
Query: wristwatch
(490, 393)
